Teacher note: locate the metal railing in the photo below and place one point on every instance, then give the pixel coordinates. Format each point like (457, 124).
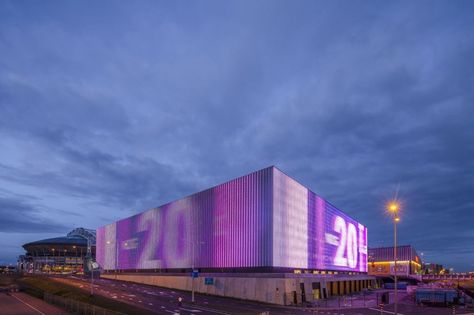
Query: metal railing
(355, 300)
(449, 277)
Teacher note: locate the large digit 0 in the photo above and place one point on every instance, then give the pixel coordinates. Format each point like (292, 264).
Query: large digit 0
(351, 246)
(340, 227)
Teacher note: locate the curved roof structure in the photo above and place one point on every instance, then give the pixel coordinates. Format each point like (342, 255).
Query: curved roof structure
(73, 244)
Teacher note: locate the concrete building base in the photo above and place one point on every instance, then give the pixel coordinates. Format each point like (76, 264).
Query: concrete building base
(282, 289)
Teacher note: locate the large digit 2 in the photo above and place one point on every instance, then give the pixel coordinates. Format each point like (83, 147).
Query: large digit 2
(149, 222)
(340, 227)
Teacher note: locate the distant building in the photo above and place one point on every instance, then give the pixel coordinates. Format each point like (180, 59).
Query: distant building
(59, 254)
(432, 269)
(7, 269)
(381, 261)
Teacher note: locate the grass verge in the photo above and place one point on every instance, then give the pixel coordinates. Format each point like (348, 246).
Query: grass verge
(36, 286)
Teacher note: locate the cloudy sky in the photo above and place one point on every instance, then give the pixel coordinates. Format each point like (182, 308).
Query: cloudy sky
(110, 108)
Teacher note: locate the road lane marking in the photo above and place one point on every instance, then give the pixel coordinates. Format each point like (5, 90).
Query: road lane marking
(211, 310)
(28, 304)
(388, 312)
(192, 311)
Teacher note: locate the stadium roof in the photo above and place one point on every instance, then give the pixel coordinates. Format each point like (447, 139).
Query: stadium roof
(75, 241)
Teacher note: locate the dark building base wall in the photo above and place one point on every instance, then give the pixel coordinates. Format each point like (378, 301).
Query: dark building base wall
(283, 289)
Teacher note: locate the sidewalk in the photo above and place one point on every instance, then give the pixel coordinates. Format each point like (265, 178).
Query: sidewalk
(23, 304)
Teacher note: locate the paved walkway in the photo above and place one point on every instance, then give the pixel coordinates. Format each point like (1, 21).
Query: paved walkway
(22, 304)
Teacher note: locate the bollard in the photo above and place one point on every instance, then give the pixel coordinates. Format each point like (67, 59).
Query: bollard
(454, 309)
(381, 308)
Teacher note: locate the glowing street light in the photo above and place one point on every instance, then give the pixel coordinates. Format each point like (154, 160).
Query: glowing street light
(394, 207)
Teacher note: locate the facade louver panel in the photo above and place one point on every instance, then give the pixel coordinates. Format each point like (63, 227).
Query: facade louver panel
(264, 219)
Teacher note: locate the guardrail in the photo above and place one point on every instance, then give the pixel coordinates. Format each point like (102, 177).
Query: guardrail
(448, 277)
(355, 300)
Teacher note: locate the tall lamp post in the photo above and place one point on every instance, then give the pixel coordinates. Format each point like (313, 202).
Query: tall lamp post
(91, 264)
(394, 207)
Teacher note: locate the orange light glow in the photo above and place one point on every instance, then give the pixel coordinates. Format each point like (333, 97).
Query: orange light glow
(393, 206)
(398, 262)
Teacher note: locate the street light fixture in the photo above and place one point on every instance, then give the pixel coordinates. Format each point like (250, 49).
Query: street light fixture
(394, 208)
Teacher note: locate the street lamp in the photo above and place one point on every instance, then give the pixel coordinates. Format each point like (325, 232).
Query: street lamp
(54, 261)
(393, 207)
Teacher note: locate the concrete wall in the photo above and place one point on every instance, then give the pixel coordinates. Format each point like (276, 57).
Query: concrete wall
(276, 290)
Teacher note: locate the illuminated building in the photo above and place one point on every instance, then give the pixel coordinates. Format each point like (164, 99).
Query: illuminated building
(381, 261)
(261, 223)
(59, 254)
(432, 269)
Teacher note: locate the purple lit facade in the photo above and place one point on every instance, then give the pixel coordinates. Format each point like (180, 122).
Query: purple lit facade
(261, 220)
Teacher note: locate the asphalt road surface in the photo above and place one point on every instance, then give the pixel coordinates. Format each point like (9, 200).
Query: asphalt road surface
(165, 301)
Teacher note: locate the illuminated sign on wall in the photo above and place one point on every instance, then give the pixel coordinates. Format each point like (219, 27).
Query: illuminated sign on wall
(264, 219)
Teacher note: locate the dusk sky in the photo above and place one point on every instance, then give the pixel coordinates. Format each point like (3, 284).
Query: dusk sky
(108, 109)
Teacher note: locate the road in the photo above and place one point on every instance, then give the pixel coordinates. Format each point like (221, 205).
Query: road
(23, 304)
(165, 301)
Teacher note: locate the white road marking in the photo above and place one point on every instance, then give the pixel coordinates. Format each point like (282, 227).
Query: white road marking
(382, 311)
(192, 311)
(32, 307)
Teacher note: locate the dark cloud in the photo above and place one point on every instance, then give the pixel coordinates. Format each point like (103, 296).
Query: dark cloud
(21, 216)
(111, 111)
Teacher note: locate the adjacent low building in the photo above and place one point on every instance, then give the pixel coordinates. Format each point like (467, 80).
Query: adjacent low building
(381, 261)
(262, 236)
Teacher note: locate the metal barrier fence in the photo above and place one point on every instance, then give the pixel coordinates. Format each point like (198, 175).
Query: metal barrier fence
(77, 307)
(370, 299)
(362, 299)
